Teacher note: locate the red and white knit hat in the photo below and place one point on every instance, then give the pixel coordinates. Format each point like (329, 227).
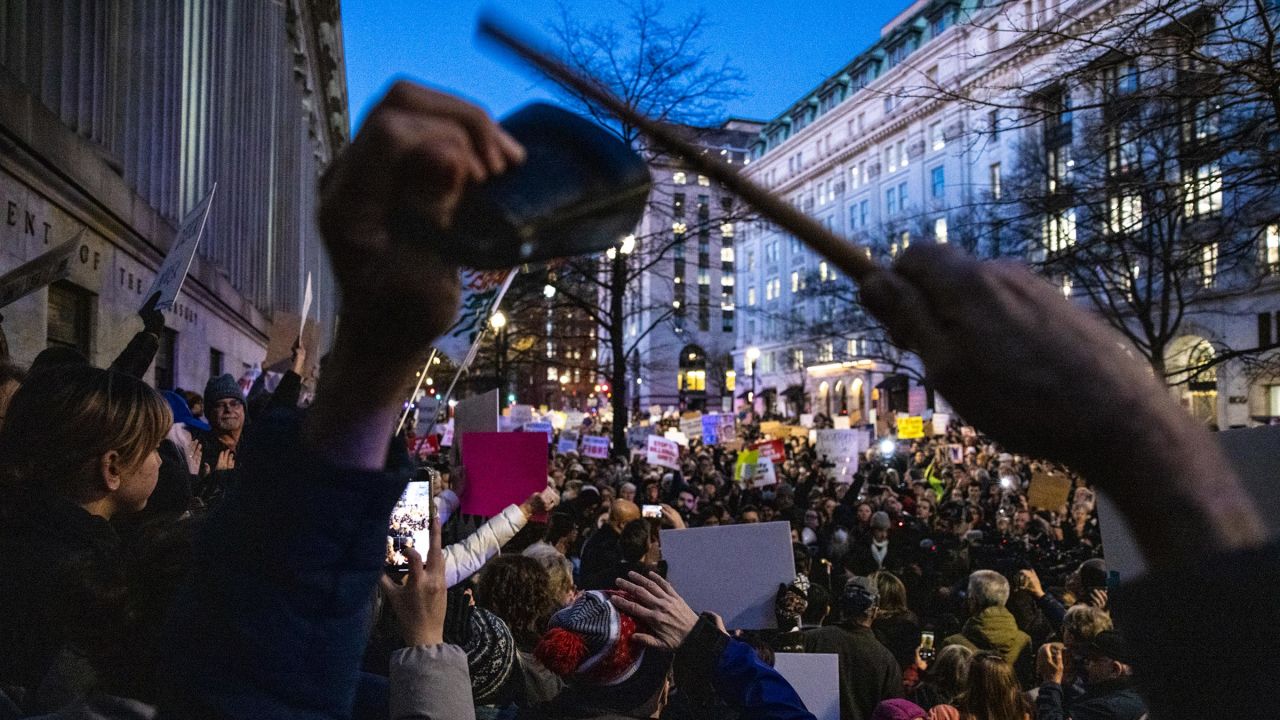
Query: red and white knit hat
(590, 642)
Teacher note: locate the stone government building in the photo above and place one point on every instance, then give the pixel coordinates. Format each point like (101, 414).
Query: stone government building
(117, 118)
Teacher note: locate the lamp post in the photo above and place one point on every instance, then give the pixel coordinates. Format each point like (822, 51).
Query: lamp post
(753, 354)
(498, 321)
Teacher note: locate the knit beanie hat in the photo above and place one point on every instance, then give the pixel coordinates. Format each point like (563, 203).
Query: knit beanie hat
(589, 642)
(491, 654)
(898, 709)
(221, 388)
(880, 521)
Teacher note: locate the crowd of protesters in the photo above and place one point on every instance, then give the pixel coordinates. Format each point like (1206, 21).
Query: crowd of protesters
(225, 555)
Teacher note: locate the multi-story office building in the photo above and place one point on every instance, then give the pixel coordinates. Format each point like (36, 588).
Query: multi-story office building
(681, 320)
(929, 128)
(117, 118)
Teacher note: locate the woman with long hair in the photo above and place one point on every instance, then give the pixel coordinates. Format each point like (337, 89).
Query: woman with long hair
(992, 691)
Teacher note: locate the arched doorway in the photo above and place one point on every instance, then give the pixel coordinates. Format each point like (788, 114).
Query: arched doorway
(824, 397)
(693, 377)
(1194, 372)
(842, 399)
(859, 400)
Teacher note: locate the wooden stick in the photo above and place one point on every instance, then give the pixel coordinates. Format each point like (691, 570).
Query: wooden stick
(849, 257)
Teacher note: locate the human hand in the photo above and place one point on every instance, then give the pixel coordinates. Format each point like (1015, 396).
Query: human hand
(417, 152)
(1098, 598)
(670, 514)
(299, 356)
(1049, 664)
(1031, 581)
(152, 319)
(419, 603)
(654, 602)
(540, 502)
(226, 460)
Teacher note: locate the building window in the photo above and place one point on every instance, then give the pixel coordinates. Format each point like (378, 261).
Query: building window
(1060, 230)
(938, 182)
(679, 179)
(1208, 264)
(751, 296)
(704, 181)
(1124, 213)
(936, 139)
(940, 230)
(902, 197)
(1201, 121)
(864, 209)
(855, 177)
(771, 252)
(1264, 330)
(996, 187)
(1060, 167)
(826, 351)
(1202, 189)
(70, 311)
(993, 124)
(166, 359)
(730, 380)
(1271, 249)
(1066, 286)
(215, 362)
(891, 159)
(797, 359)
(553, 374)
(1122, 78)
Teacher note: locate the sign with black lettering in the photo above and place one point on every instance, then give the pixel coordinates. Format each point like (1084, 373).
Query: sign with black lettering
(35, 274)
(173, 271)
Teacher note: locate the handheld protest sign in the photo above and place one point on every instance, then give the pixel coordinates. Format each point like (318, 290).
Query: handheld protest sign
(173, 271)
(910, 427)
(815, 678)
(475, 414)
(595, 446)
(502, 469)
(732, 570)
(43, 270)
(1048, 491)
(662, 452)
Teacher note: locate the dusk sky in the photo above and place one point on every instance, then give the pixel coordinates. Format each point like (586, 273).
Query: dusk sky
(783, 48)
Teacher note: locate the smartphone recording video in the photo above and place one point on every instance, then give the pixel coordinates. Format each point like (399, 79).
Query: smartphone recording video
(651, 511)
(410, 525)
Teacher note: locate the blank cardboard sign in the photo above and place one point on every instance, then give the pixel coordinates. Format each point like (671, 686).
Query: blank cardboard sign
(816, 679)
(731, 570)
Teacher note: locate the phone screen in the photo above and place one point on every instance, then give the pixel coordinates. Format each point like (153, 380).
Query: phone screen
(651, 511)
(410, 525)
(926, 646)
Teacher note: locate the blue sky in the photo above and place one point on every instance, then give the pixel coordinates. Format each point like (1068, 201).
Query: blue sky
(783, 48)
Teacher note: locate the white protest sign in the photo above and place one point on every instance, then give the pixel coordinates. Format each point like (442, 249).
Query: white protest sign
(476, 414)
(595, 446)
(691, 425)
(45, 269)
(173, 271)
(940, 423)
(727, 431)
(568, 442)
(542, 427)
(521, 415)
(840, 447)
(446, 434)
(663, 453)
(764, 474)
(637, 434)
(307, 298)
(840, 422)
(815, 678)
(573, 418)
(707, 568)
(680, 438)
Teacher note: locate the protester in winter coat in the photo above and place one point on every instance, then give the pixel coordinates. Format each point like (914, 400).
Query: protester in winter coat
(868, 672)
(1110, 693)
(991, 627)
(600, 552)
(78, 452)
(465, 558)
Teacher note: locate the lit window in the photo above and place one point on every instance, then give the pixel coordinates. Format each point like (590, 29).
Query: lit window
(996, 189)
(1271, 248)
(823, 273)
(751, 295)
(940, 230)
(679, 228)
(936, 139)
(795, 281)
(730, 380)
(1202, 189)
(704, 181)
(1208, 264)
(902, 153)
(826, 351)
(726, 229)
(552, 374)
(678, 178)
(1125, 213)
(1060, 230)
(855, 177)
(726, 254)
(1066, 286)
(891, 159)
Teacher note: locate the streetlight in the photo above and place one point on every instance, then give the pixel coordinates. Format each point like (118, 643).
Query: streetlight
(498, 321)
(753, 354)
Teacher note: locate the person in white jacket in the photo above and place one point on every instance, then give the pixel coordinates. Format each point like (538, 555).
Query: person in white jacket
(463, 559)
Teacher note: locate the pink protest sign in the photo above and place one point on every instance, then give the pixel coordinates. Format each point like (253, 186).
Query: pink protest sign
(502, 469)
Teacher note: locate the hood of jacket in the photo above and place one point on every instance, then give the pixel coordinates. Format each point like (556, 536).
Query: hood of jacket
(994, 628)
